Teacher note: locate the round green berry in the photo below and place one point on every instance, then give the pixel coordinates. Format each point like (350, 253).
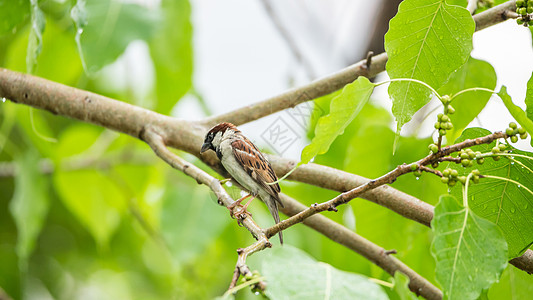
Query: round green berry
(519, 21)
(446, 172)
(502, 147)
(465, 162)
(442, 132)
(513, 125)
(444, 179)
(454, 173)
(464, 155)
(439, 116)
(514, 139)
(480, 161)
(522, 11)
(451, 110)
(462, 179)
(414, 166)
(523, 136)
(445, 118)
(520, 3)
(521, 130)
(476, 172)
(471, 155)
(496, 157)
(437, 125)
(495, 149)
(452, 183)
(417, 173)
(509, 131)
(530, 9)
(475, 179)
(433, 148)
(445, 99)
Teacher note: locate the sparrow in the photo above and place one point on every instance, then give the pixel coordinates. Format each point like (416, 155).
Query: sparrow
(246, 165)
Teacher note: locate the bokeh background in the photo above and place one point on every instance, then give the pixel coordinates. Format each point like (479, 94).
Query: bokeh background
(86, 213)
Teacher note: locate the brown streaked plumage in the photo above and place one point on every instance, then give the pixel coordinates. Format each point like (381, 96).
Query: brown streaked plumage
(246, 164)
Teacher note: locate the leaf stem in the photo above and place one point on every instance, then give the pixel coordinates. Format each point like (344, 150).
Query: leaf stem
(509, 180)
(241, 286)
(476, 89)
(465, 191)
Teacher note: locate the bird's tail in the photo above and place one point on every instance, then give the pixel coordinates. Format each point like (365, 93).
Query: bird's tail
(273, 208)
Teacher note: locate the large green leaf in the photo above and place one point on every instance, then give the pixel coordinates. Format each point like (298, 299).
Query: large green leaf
(111, 26)
(343, 109)
(428, 40)
(470, 251)
(35, 42)
(518, 114)
(171, 51)
(29, 205)
(514, 284)
(12, 14)
(529, 98)
(475, 73)
(504, 203)
(293, 274)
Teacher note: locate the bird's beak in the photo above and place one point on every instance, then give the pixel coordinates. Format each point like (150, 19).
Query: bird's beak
(205, 147)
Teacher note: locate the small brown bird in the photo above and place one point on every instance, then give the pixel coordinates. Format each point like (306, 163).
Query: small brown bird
(246, 164)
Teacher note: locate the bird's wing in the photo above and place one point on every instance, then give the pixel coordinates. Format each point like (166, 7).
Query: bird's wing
(256, 165)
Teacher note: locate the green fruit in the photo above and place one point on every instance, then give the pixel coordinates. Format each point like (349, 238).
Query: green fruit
(445, 99)
(464, 155)
(529, 9)
(449, 125)
(519, 21)
(523, 11)
(502, 147)
(442, 132)
(520, 3)
(462, 179)
(445, 118)
(435, 165)
(514, 139)
(509, 131)
(523, 136)
(454, 173)
(433, 148)
(480, 161)
(513, 125)
(496, 157)
(437, 125)
(471, 155)
(465, 162)
(417, 173)
(476, 172)
(521, 130)
(452, 183)
(475, 179)
(495, 149)
(446, 172)
(439, 116)
(414, 166)
(451, 110)
(444, 179)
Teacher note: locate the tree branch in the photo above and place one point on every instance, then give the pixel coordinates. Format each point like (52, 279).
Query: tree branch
(336, 81)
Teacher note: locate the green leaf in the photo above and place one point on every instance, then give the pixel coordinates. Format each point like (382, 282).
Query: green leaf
(30, 202)
(343, 109)
(93, 197)
(293, 274)
(502, 202)
(518, 114)
(470, 251)
(475, 73)
(514, 284)
(12, 14)
(111, 26)
(428, 40)
(529, 98)
(172, 54)
(401, 286)
(35, 42)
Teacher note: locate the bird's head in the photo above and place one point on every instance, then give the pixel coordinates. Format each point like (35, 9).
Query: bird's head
(217, 134)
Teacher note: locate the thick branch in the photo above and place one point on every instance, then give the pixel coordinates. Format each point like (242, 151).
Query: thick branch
(336, 81)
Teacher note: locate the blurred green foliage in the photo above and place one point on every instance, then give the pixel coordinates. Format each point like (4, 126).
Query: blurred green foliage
(94, 215)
